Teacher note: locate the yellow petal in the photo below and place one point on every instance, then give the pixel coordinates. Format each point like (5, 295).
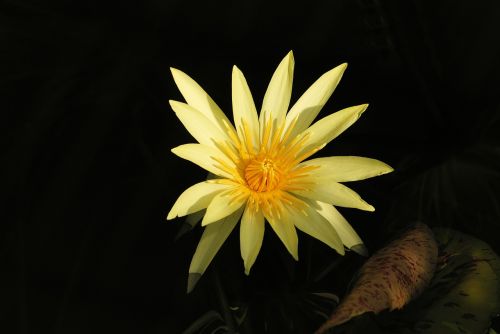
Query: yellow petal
(251, 236)
(278, 93)
(347, 168)
(212, 239)
(312, 101)
(197, 98)
(195, 198)
(222, 205)
(285, 230)
(345, 231)
(314, 224)
(244, 109)
(334, 193)
(329, 127)
(205, 157)
(199, 126)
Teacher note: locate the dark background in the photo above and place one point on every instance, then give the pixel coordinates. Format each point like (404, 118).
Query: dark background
(89, 177)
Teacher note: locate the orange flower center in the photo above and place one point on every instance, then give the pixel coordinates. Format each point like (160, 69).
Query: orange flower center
(262, 174)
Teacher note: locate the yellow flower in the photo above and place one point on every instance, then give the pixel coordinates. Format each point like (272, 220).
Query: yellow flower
(260, 170)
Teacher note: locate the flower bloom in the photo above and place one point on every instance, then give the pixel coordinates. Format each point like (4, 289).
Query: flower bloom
(260, 168)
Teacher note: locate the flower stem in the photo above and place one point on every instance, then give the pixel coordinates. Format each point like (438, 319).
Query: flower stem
(221, 296)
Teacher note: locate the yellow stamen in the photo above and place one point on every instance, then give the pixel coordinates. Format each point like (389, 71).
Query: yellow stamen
(266, 174)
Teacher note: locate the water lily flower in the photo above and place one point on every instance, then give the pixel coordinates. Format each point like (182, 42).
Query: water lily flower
(261, 169)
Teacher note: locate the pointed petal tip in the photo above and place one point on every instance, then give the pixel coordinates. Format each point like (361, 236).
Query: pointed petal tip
(360, 110)
(369, 208)
(388, 169)
(340, 68)
(174, 104)
(360, 249)
(288, 61)
(340, 250)
(193, 279)
(291, 62)
(177, 74)
(171, 215)
(337, 71)
(210, 218)
(237, 74)
(363, 108)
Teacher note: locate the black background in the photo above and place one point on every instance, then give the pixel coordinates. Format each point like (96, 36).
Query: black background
(89, 177)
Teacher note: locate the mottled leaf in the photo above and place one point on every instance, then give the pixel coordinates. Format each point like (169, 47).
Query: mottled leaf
(391, 277)
(463, 296)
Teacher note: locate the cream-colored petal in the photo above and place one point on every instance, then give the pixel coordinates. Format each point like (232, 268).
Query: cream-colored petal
(311, 222)
(334, 193)
(244, 109)
(212, 239)
(285, 230)
(329, 127)
(197, 98)
(199, 126)
(195, 198)
(347, 168)
(347, 234)
(223, 204)
(312, 101)
(278, 93)
(206, 157)
(251, 236)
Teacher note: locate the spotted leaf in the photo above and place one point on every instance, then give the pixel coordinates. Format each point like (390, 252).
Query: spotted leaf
(391, 278)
